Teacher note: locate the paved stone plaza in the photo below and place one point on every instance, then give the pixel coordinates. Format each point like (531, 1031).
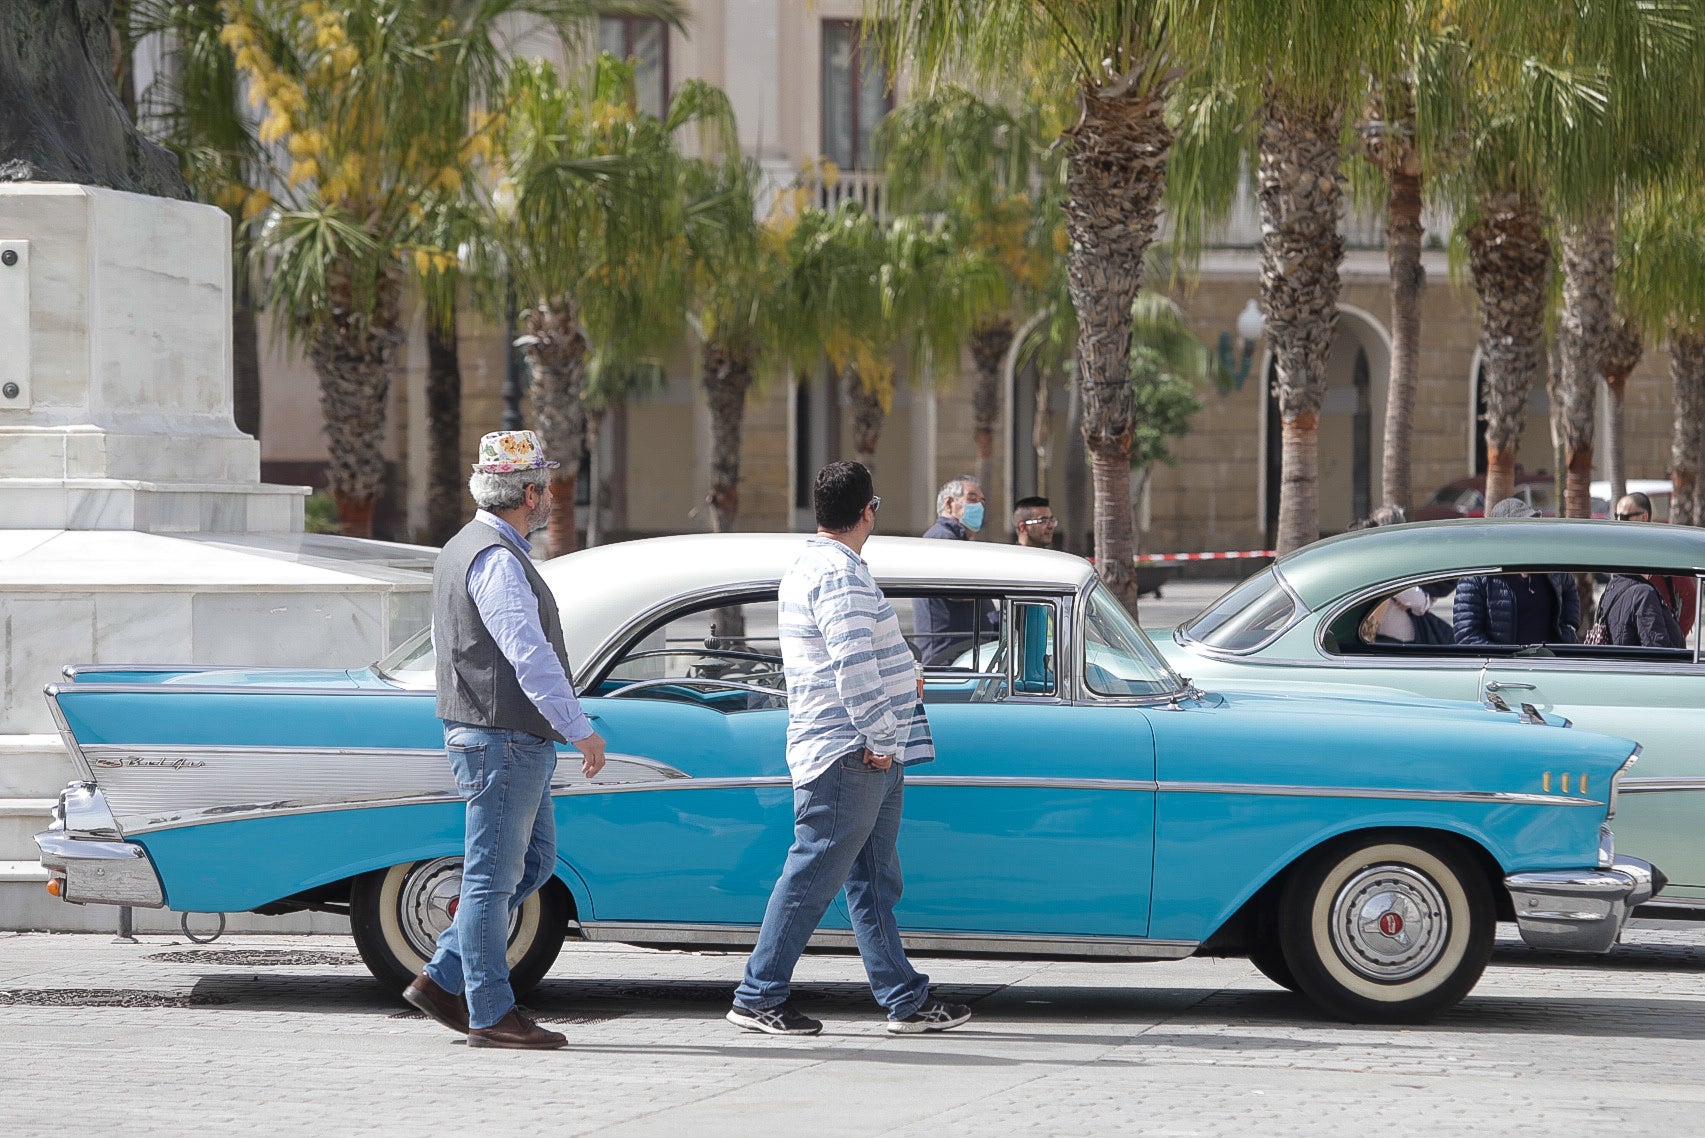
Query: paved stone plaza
(289, 1035)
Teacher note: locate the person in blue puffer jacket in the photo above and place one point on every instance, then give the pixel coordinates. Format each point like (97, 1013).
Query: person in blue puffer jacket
(1517, 608)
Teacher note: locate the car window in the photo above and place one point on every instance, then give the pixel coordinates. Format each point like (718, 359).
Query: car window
(1033, 648)
(714, 654)
(1589, 615)
(959, 631)
(1247, 617)
(1118, 658)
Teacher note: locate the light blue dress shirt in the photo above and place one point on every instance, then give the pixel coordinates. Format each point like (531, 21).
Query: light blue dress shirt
(499, 589)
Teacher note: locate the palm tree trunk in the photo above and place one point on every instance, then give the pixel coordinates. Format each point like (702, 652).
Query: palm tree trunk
(868, 414)
(353, 360)
(1408, 281)
(1622, 354)
(594, 477)
(1301, 192)
(445, 482)
(989, 342)
(1117, 173)
(554, 345)
(1509, 258)
(1687, 371)
(726, 374)
(1588, 320)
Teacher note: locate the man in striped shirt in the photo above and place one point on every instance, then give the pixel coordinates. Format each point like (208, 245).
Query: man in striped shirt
(855, 721)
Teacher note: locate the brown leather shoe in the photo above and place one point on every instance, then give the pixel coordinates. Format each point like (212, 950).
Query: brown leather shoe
(448, 1009)
(517, 1032)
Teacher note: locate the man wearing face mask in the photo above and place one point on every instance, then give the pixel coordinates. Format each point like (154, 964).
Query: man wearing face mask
(506, 699)
(945, 628)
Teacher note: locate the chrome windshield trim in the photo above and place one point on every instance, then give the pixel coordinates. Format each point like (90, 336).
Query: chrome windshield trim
(1299, 611)
(1010, 944)
(1489, 797)
(246, 689)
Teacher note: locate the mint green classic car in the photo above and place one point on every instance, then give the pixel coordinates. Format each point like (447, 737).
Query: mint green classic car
(1309, 621)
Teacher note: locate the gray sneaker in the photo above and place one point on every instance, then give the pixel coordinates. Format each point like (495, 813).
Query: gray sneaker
(933, 1015)
(783, 1019)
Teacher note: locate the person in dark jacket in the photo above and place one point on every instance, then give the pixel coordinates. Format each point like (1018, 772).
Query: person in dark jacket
(943, 628)
(1517, 608)
(1633, 613)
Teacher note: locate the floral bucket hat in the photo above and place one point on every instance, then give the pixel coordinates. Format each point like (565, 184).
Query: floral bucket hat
(505, 452)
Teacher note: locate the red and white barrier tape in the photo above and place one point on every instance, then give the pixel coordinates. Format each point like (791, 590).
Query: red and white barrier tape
(1225, 555)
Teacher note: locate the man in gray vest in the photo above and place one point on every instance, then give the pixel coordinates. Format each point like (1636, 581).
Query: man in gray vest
(506, 699)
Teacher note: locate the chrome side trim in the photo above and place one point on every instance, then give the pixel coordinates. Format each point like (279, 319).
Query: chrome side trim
(1005, 944)
(1488, 797)
(1034, 781)
(1579, 910)
(156, 787)
(1659, 785)
(72, 747)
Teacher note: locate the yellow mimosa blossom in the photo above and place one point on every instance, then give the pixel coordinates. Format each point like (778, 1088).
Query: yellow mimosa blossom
(422, 262)
(304, 171)
(274, 128)
(255, 204)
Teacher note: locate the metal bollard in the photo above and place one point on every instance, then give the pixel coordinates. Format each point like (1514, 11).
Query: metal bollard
(126, 926)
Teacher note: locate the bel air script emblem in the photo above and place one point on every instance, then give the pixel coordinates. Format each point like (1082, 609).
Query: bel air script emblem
(155, 764)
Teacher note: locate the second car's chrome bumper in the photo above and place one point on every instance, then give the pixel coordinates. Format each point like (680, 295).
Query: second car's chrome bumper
(1580, 910)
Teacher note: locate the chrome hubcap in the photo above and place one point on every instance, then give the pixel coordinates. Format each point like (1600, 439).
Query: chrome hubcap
(1389, 923)
(427, 903)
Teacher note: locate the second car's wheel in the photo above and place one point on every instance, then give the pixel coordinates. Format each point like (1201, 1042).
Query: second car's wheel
(1387, 929)
(396, 915)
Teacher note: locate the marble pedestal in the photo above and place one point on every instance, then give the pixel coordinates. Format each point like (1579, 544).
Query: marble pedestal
(134, 527)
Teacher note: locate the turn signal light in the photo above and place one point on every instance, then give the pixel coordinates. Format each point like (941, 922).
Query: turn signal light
(55, 887)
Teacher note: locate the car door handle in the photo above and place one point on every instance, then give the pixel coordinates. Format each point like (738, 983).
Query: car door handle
(1501, 685)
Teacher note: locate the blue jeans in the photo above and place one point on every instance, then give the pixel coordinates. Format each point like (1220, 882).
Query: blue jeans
(846, 823)
(505, 776)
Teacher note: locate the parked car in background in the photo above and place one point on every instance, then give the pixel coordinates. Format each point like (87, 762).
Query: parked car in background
(1466, 497)
(1300, 621)
(1087, 801)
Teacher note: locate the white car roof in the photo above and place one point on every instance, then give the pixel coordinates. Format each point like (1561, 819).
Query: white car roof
(599, 591)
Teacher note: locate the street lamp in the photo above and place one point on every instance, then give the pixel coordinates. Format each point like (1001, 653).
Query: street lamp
(1249, 325)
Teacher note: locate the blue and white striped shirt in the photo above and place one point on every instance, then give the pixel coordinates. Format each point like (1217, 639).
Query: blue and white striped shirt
(851, 679)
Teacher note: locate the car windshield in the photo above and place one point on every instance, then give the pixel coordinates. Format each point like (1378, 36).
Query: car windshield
(1246, 618)
(412, 664)
(1118, 658)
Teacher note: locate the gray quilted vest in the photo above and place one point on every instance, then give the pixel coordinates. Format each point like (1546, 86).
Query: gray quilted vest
(476, 683)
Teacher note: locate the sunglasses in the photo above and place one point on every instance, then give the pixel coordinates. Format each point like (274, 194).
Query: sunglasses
(1042, 521)
(1632, 517)
(876, 503)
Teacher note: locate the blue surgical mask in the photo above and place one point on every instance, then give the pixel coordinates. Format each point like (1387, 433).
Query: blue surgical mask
(973, 516)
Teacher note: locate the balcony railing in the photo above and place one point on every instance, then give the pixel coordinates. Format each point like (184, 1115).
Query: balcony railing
(865, 187)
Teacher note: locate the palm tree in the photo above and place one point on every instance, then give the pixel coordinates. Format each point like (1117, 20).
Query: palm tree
(1661, 249)
(1168, 360)
(1116, 59)
(984, 166)
(591, 234)
(1646, 58)
(366, 111)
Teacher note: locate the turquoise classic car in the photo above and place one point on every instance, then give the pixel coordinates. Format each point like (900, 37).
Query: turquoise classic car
(1300, 624)
(1086, 802)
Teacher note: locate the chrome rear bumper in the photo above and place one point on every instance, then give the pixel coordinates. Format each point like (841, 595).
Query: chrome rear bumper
(1580, 910)
(93, 865)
